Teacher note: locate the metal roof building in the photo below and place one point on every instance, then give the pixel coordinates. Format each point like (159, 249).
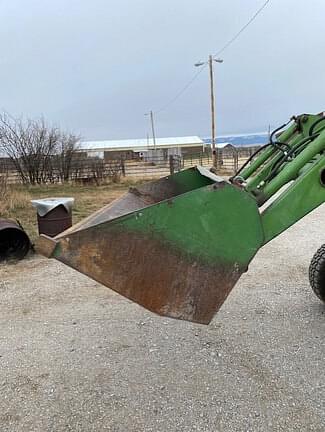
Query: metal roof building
(139, 145)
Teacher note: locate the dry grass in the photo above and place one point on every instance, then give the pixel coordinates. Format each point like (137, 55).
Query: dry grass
(15, 200)
(12, 200)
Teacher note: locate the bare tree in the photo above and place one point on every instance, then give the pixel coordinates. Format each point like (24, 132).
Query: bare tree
(40, 153)
(66, 154)
(114, 169)
(96, 167)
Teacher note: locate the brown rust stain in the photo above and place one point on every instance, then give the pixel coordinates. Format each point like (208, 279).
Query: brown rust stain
(45, 245)
(151, 273)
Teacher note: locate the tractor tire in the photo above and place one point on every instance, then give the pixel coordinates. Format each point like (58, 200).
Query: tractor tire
(317, 273)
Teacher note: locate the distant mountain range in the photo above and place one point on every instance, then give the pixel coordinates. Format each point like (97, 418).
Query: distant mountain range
(241, 139)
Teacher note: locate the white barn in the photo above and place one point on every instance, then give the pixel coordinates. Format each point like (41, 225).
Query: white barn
(163, 147)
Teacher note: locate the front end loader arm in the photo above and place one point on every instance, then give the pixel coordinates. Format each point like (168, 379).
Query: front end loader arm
(293, 173)
(177, 246)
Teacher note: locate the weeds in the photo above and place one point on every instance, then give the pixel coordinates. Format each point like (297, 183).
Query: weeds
(15, 200)
(12, 199)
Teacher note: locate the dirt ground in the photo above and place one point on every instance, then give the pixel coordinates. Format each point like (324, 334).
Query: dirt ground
(74, 356)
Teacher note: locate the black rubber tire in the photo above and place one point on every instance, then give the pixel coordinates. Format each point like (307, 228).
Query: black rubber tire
(317, 273)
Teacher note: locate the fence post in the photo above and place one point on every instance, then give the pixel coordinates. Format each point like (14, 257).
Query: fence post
(235, 160)
(219, 153)
(123, 167)
(171, 164)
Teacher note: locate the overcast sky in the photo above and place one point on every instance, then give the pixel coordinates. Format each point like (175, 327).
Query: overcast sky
(95, 67)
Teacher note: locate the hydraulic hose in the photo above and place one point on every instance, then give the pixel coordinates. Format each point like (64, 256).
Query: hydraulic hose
(312, 127)
(249, 160)
(276, 144)
(304, 142)
(278, 129)
(284, 158)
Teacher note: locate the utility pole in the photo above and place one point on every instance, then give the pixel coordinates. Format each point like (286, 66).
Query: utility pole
(213, 126)
(212, 104)
(152, 128)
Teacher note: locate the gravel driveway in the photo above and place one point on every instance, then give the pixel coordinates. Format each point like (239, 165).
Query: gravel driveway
(74, 356)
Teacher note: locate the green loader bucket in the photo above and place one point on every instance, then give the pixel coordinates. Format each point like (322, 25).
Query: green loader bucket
(176, 246)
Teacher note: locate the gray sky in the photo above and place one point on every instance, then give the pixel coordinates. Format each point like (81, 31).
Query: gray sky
(95, 67)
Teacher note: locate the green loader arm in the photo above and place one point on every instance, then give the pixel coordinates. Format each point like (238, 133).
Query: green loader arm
(177, 246)
(292, 169)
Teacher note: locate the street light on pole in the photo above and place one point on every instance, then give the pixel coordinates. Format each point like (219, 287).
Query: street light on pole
(212, 103)
(152, 128)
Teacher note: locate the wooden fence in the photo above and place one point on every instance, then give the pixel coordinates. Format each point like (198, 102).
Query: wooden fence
(95, 170)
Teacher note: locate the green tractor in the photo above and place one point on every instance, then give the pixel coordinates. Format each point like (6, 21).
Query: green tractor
(177, 246)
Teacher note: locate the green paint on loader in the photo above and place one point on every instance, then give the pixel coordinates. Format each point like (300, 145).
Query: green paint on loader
(215, 223)
(178, 246)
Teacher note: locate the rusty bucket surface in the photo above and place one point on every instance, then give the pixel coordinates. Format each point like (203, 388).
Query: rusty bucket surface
(176, 246)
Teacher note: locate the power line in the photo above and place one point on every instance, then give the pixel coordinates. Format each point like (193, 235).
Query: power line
(189, 83)
(179, 94)
(242, 29)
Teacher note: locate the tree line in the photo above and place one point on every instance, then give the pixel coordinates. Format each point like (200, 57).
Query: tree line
(40, 153)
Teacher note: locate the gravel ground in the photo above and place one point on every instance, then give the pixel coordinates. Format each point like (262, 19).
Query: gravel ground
(74, 356)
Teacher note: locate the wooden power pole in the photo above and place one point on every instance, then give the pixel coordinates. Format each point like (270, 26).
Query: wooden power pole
(213, 125)
(153, 129)
(212, 101)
